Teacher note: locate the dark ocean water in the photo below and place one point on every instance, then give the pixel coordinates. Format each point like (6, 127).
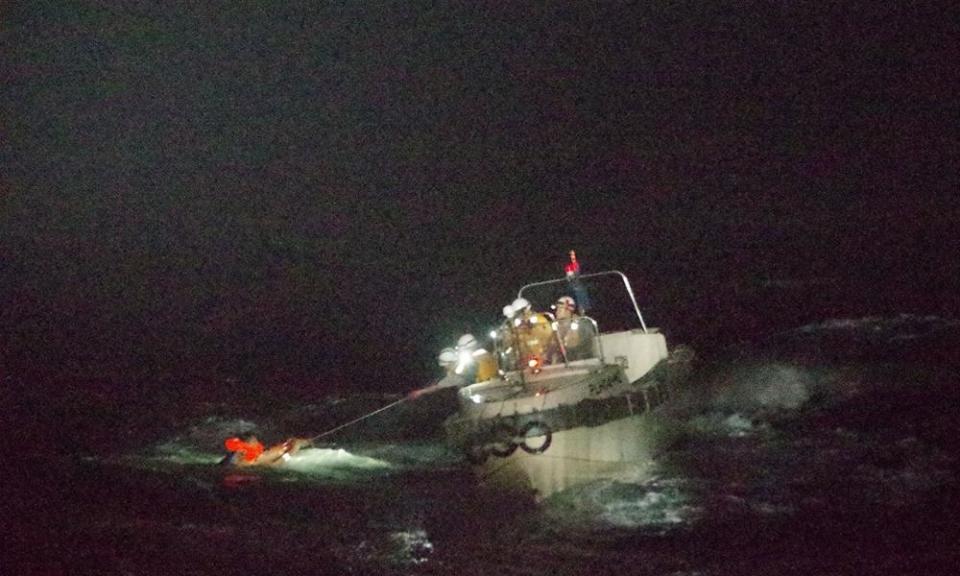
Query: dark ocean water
(825, 448)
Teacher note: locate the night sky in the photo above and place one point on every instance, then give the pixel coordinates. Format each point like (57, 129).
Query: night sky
(325, 194)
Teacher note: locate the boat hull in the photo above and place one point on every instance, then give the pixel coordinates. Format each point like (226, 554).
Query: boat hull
(614, 432)
(623, 448)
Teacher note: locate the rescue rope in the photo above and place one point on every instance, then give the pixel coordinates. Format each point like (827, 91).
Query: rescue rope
(356, 420)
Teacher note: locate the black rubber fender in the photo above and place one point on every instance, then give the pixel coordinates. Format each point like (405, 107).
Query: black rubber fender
(534, 429)
(502, 440)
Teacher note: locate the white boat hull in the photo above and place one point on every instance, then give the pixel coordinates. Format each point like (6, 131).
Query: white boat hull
(623, 448)
(550, 421)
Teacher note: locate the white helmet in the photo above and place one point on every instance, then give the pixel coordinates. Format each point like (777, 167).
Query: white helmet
(467, 341)
(520, 304)
(447, 357)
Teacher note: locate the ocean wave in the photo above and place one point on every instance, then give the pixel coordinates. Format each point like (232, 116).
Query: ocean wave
(900, 326)
(657, 503)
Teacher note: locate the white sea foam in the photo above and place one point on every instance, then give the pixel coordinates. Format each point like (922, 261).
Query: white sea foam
(901, 326)
(324, 459)
(722, 424)
(763, 387)
(658, 503)
(658, 507)
(416, 454)
(176, 452)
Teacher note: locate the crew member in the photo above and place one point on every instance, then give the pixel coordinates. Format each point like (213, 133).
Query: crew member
(572, 332)
(572, 269)
(572, 272)
(447, 360)
(532, 332)
(474, 363)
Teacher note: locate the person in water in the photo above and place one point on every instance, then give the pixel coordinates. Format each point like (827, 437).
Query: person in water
(247, 450)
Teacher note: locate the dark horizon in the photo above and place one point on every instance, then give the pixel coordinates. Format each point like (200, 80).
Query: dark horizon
(328, 196)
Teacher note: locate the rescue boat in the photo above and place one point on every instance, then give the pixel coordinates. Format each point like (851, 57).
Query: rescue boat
(562, 412)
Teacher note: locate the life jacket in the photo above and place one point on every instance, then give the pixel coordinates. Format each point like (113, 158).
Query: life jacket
(486, 366)
(249, 451)
(527, 336)
(535, 335)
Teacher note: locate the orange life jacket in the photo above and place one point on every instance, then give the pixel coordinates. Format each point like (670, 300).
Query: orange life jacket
(250, 451)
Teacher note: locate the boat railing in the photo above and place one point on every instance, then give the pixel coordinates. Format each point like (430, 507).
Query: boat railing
(580, 277)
